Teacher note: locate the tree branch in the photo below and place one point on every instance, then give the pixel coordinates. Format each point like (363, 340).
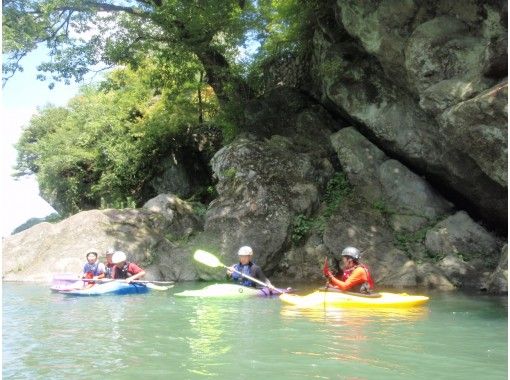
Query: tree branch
(115, 8)
(15, 69)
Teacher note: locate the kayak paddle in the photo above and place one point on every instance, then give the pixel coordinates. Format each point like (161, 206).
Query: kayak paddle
(152, 286)
(212, 261)
(135, 281)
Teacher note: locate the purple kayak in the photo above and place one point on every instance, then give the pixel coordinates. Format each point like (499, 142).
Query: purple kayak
(65, 282)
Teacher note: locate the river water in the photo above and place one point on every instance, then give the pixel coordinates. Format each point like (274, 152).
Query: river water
(159, 336)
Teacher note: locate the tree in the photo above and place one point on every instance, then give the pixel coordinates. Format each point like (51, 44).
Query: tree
(110, 142)
(82, 34)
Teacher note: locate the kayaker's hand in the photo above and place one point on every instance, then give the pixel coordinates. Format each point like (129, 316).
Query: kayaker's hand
(230, 270)
(328, 273)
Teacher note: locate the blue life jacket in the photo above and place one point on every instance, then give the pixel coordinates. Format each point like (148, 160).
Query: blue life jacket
(94, 268)
(245, 269)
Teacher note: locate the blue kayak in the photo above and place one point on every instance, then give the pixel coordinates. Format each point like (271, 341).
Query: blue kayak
(113, 287)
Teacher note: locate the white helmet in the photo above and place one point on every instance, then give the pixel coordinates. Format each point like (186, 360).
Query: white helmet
(245, 251)
(118, 257)
(352, 252)
(110, 251)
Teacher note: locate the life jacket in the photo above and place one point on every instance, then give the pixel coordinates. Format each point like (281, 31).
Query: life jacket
(244, 269)
(91, 268)
(367, 286)
(88, 276)
(108, 270)
(122, 273)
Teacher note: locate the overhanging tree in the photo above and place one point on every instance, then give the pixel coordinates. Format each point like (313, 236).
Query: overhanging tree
(83, 34)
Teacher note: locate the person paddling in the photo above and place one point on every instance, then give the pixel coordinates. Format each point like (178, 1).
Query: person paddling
(124, 270)
(93, 269)
(356, 276)
(246, 266)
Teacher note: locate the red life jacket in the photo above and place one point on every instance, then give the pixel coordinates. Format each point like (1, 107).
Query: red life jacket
(89, 276)
(348, 272)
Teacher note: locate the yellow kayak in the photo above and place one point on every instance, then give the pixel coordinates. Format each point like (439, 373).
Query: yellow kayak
(333, 298)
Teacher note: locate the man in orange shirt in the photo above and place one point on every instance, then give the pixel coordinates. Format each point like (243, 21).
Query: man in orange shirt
(356, 276)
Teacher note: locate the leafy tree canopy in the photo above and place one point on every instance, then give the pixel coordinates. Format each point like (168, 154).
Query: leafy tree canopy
(103, 149)
(81, 35)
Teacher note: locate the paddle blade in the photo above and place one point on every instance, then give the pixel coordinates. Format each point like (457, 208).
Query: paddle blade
(325, 270)
(152, 286)
(207, 258)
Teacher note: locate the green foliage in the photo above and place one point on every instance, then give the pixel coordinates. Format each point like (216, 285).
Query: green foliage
(230, 173)
(52, 218)
(337, 189)
(330, 68)
(199, 209)
(287, 26)
(301, 227)
(105, 147)
(405, 241)
(287, 33)
(83, 36)
(381, 206)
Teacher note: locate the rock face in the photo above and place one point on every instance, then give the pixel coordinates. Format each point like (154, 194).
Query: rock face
(182, 221)
(459, 234)
(498, 281)
(37, 253)
(263, 183)
(387, 183)
(425, 81)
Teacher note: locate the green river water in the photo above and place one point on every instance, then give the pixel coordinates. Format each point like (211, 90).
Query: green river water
(159, 336)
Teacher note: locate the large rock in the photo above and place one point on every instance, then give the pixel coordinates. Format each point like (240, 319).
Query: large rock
(498, 280)
(387, 183)
(173, 179)
(461, 273)
(357, 224)
(410, 194)
(303, 262)
(442, 48)
(360, 160)
(181, 218)
(292, 114)
(37, 253)
(432, 277)
(460, 235)
(261, 188)
(409, 74)
(480, 126)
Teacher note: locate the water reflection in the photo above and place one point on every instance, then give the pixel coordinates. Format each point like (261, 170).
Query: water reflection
(208, 325)
(353, 335)
(356, 316)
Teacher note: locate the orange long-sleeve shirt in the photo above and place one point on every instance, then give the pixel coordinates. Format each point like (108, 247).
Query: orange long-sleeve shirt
(357, 277)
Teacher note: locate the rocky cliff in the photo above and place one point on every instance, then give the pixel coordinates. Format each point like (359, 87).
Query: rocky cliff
(397, 146)
(426, 81)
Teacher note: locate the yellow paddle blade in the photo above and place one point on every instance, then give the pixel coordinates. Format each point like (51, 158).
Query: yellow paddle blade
(207, 258)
